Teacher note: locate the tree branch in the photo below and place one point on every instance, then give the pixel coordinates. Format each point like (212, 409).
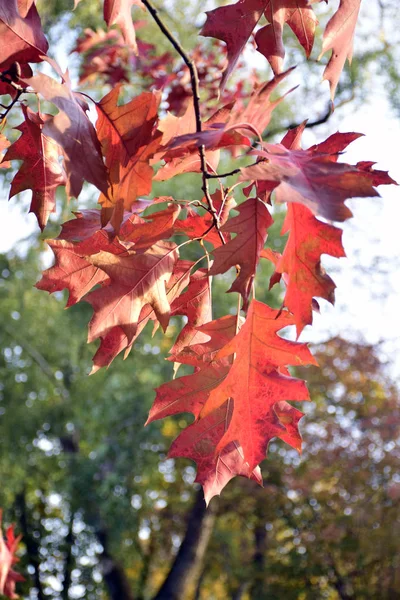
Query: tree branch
(194, 82)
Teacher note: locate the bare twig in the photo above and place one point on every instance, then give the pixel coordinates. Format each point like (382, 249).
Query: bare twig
(194, 81)
(11, 76)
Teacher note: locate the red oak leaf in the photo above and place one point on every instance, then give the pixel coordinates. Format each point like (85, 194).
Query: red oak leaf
(251, 227)
(8, 548)
(22, 38)
(73, 131)
(115, 341)
(180, 160)
(301, 19)
(118, 12)
(189, 162)
(308, 239)
(195, 304)
(4, 144)
(215, 467)
(188, 393)
(71, 271)
(24, 7)
(220, 331)
(144, 232)
(234, 24)
(254, 118)
(338, 37)
(129, 139)
(255, 383)
(311, 178)
(196, 225)
(40, 172)
(136, 280)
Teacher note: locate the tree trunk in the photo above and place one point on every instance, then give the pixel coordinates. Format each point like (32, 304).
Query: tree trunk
(186, 569)
(32, 545)
(69, 560)
(114, 576)
(257, 589)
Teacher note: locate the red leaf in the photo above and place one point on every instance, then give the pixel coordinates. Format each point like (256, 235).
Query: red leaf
(195, 304)
(136, 280)
(144, 232)
(301, 19)
(220, 131)
(338, 37)
(234, 24)
(181, 160)
(308, 239)
(251, 227)
(4, 144)
(255, 383)
(8, 548)
(73, 131)
(220, 331)
(129, 140)
(215, 468)
(115, 341)
(196, 225)
(40, 171)
(118, 12)
(22, 38)
(311, 178)
(188, 393)
(71, 271)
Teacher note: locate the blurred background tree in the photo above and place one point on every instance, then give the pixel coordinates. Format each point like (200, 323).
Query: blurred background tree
(103, 513)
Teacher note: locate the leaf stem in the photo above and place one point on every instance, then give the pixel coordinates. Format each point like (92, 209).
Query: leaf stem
(194, 82)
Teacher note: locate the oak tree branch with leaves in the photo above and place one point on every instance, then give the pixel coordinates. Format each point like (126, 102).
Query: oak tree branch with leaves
(142, 259)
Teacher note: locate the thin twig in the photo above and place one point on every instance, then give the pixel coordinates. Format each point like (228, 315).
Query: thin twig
(194, 82)
(217, 175)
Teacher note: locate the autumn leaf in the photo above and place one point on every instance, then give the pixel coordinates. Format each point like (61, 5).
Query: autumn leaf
(116, 341)
(308, 239)
(8, 548)
(22, 38)
(234, 24)
(195, 305)
(73, 131)
(4, 144)
(41, 171)
(136, 280)
(301, 19)
(219, 332)
(339, 37)
(220, 130)
(255, 383)
(118, 12)
(129, 140)
(145, 232)
(251, 227)
(181, 160)
(197, 225)
(71, 271)
(306, 279)
(311, 178)
(215, 467)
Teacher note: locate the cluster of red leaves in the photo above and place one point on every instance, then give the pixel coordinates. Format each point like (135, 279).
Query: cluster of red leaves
(234, 24)
(8, 548)
(131, 266)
